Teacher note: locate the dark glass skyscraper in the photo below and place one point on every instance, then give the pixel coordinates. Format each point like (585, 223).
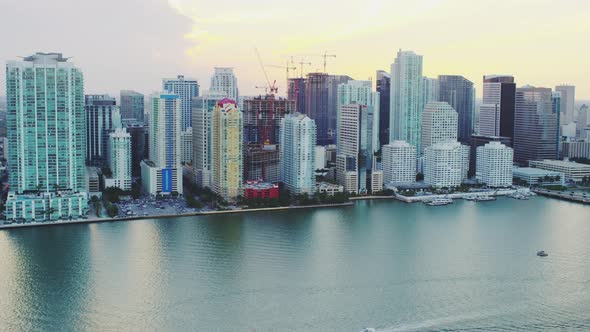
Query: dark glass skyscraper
(102, 117)
(535, 125)
(496, 113)
(384, 89)
(458, 92)
(132, 106)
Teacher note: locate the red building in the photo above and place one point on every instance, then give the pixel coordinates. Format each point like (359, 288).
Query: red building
(260, 190)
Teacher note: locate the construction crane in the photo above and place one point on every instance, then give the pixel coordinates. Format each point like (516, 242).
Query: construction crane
(271, 88)
(301, 64)
(287, 69)
(325, 56)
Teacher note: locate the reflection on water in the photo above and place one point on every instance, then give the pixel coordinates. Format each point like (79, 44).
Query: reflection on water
(393, 266)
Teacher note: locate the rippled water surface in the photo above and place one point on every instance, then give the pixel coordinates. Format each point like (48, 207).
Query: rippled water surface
(393, 266)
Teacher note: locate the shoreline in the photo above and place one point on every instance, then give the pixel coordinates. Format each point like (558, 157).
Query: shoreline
(168, 216)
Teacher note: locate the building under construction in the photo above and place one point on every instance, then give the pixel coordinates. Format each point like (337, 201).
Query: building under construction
(296, 92)
(262, 120)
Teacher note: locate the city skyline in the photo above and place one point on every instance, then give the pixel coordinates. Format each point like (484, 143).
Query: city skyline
(191, 39)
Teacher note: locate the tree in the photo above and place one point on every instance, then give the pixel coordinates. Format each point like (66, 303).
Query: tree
(419, 177)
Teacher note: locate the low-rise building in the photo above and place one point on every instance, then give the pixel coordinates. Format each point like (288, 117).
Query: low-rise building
(573, 172)
(537, 176)
(329, 188)
(46, 206)
(261, 190)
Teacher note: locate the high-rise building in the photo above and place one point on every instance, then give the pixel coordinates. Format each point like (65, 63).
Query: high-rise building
(227, 150)
(102, 118)
(568, 100)
(439, 124)
(225, 81)
(535, 125)
(481, 140)
(496, 113)
(460, 94)
(139, 146)
(494, 165)
(431, 90)
(262, 118)
(446, 164)
(296, 92)
(202, 109)
(353, 155)
(298, 148)
(582, 122)
(186, 88)
(132, 106)
(47, 139)
(321, 102)
(399, 163)
(119, 158)
(162, 173)
(361, 92)
(186, 146)
(406, 98)
(384, 90)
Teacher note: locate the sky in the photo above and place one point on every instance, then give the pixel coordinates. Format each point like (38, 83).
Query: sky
(133, 44)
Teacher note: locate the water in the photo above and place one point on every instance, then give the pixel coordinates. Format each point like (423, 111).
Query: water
(397, 267)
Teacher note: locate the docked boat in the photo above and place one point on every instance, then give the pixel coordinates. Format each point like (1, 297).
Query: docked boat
(484, 198)
(542, 253)
(368, 329)
(440, 201)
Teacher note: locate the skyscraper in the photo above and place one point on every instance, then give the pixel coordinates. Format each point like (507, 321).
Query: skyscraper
(535, 125)
(186, 89)
(119, 158)
(227, 150)
(298, 146)
(225, 81)
(384, 89)
(102, 118)
(460, 94)
(406, 98)
(431, 90)
(132, 106)
(47, 139)
(202, 109)
(496, 113)
(139, 146)
(296, 92)
(353, 155)
(439, 124)
(162, 173)
(568, 100)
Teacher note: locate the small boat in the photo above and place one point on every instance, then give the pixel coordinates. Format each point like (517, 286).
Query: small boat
(484, 198)
(542, 253)
(439, 201)
(368, 329)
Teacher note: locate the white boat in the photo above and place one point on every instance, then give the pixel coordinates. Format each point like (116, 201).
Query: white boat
(484, 198)
(440, 201)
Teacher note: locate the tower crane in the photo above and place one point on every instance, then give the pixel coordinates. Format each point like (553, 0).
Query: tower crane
(325, 56)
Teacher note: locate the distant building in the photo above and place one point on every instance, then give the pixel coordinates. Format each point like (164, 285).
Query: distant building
(439, 124)
(431, 88)
(261, 190)
(186, 88)
(568, 100)
(406, 98)
(132, 106)
(575, 149)
(399, 163)
(119, 159)
(162, 173)
(573, 172)
(535, 125)
(227, 150)
(446, 164)
(139, 145)
(225, 81)
(296, 93)
(460, 94)
(384, 90)
(320, 157)
(186, 146)
(494, 164)
(481, 140)
(297, 153)
(102, 118)
(47, 138)
(496, 113)
(202, 109)
(93, 181)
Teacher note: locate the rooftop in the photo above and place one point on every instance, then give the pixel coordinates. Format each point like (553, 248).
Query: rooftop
(259, 185)
(530, 171)
(561, 163)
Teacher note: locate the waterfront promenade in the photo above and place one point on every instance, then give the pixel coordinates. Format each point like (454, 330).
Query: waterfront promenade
(565, 195)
